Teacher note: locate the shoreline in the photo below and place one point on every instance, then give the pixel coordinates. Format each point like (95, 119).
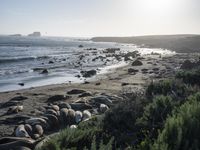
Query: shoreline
(120, 80)
(117, 82)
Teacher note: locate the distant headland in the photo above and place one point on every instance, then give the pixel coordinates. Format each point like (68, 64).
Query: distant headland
(35, 34)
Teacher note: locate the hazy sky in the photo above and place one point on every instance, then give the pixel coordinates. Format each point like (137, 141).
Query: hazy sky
(100, 17)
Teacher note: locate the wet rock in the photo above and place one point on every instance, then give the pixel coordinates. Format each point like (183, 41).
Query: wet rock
(86, 82)
(111, 50)
(131, 70)
(124, 84)
(88, 74)
(51, 62)
(45, 71)
(80, 46)
(98, 83)
(76, 91)
(137, 63)
(21, 84)
(130, 56)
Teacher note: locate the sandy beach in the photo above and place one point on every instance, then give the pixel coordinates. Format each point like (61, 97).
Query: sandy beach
(116, 82)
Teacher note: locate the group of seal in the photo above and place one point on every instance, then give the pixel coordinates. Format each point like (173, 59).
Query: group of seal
(54, 116)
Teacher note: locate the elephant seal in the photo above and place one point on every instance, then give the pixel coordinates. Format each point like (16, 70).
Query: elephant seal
(7, 143)
(78, 116)
(63, 116)
(21, 132)
(86, 115)
(64, 105)
(73, 127)
(38, 129)
(15, 109)
(53, 121)
(51, 111)
(71, 117)
(55, 107)
(103, 108)
(28, 129)
(34, 121)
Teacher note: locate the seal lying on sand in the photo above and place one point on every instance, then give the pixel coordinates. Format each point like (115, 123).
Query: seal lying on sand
(15, 109)
(21, 132)
(7, 143)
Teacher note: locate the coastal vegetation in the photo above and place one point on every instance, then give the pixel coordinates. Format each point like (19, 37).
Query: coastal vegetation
(166, 117)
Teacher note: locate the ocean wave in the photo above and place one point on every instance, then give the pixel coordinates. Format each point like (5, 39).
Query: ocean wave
(17, 59)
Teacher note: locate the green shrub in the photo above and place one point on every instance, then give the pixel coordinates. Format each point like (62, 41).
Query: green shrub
(79, 138)
(189, 77)
(156, 112)
(174, 88)
(119, 122)
(182, 129)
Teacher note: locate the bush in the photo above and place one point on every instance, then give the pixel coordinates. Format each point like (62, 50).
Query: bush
(182, 130)
(119, 122)
(174, 88)
(189, 77)
(156, 113)
(79, 138)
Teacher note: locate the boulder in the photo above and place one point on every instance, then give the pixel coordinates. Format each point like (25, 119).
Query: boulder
(131, 70)
(88, 74)
(187, 64)
(80, 46)
(45, 71)
(137, 63)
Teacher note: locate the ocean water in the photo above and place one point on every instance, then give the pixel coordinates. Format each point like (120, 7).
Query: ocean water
(22, 60)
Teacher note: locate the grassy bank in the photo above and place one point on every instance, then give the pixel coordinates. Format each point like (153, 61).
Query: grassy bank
(166, 117)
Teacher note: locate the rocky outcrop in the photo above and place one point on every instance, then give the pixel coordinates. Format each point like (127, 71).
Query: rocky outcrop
(137, 63)
(187, 64)
(35, 34)
(88, 74)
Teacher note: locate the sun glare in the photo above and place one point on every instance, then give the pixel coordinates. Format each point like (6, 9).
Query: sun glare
(157, 6)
